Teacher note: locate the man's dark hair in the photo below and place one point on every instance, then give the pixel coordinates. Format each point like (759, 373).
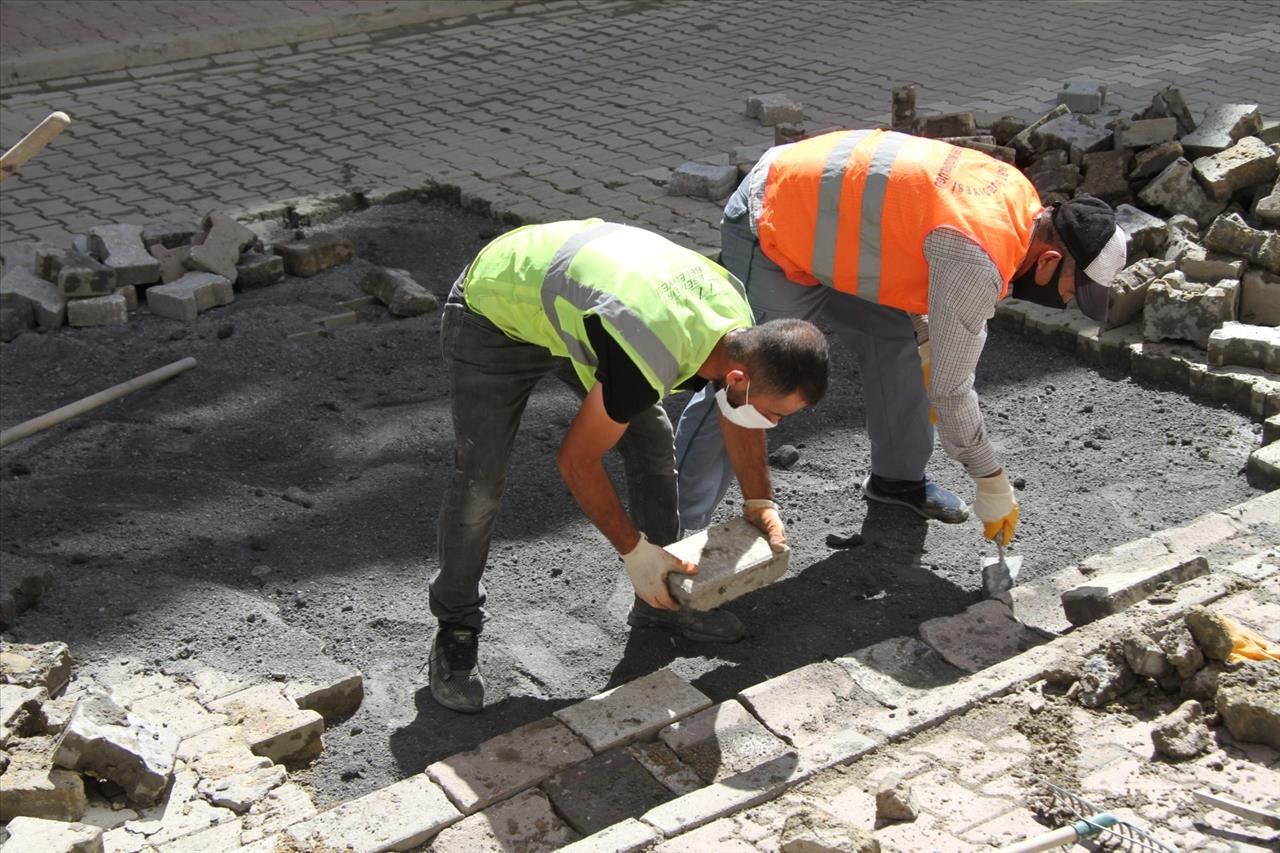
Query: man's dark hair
(785, 356)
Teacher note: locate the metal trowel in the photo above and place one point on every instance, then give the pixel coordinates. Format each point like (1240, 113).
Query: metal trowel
(998, 573)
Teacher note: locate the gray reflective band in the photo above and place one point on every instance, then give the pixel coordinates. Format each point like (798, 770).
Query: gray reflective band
(873, 190)
(558, 284)
(828, 223)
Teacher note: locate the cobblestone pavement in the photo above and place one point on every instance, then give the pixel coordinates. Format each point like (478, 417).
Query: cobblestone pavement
(569, 109)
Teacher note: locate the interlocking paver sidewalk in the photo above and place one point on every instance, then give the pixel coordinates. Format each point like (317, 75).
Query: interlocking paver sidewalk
(559, 109)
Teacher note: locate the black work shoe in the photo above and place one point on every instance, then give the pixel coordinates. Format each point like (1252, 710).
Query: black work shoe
(456, 682)
(926, 499)
(708, 626)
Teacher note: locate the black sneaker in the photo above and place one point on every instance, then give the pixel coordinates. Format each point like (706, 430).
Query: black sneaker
(456, 682)
(707, 626)
(926, 499)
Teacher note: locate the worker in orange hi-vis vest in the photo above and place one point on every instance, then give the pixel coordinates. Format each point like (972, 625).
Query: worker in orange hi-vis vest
(867, 232)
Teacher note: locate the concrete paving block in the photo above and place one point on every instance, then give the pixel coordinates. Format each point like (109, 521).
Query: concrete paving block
(224, 241)
(1211, 269)
(1106, 176)
(21, 711)
(1221, 127)
(1072, 133)
(709, 181)
(1245, 345)
(722, 741)
(1144, 232)
(984, 634)
(1258, 514)
(1083, 96)
(32, 787)
(240, 791)
(256, 270)
(1154, 160)
(947, 124)
(189, 296)
(1247, 163)
(898, 670)
(110, 310)
(730, 795)
(315, 254)
(1168, 102)
(665, 766)
(1271, 429)
(733, 558)
(1128, 291)
(1174, 310)
(524, 822)
(1263, 468)
(1260, 298)
(220, 753)
(214, 839)
(181, 715)
(1231, 234)
(397, 290)
(629, 836)
(1143, 133)
(48, 306)
(604, 790)
(1111, 592)
(1022, 142)
(633, 711)
(1038, 604)
(397, 817)
(173, 262)
(120, 247)
(804, 706)
(775, 108)
(103, 739)
(170, 235)
(76, 274)
(46, 665)
(1266, 208)
(507, 764)
(34, 834)
(1176, 190)
(1198, 536)
(333, 700)
(273, 725)
(279, 809)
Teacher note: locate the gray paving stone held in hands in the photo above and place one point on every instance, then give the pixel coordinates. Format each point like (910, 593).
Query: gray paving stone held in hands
(101, 738)
(1221, 127)
(224, 241)
(1143, 133)
(109, 310)
(396, 289)
(189, 296)
(1177, 191)
(120, 247)
(733, 558)
(1245, 164)
(1245, 345)
(703, 180)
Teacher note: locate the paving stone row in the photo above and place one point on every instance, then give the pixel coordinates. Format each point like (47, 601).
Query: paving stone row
(545, 115)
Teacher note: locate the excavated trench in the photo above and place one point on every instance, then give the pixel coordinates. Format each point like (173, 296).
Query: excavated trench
(162, 517)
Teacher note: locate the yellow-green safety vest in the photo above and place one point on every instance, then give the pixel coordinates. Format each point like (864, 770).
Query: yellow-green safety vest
(667, 306)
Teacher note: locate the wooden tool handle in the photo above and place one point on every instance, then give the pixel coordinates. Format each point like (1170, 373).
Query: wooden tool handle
(31, 144)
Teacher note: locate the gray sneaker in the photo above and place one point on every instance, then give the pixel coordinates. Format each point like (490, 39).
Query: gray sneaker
(707, 626)
(925, 498)
(456, 682)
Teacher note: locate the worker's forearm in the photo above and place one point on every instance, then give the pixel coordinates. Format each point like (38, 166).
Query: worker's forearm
(746, 448)
(593, 490)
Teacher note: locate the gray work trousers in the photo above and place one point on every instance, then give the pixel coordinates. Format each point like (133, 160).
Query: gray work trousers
(490, 379)
(883, 339)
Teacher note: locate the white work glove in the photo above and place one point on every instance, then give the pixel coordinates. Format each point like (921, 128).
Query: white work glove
(763, 513)
(997, 507)
(926, 364)
(648, 567)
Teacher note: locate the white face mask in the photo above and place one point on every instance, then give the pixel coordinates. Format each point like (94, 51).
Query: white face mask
(746, 415)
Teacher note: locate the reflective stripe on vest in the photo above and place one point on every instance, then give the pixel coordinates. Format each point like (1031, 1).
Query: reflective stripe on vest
(872, 214)
(557, 283)
(824, 238)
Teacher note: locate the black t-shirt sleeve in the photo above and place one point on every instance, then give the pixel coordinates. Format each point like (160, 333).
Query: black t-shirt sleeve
(626, 392)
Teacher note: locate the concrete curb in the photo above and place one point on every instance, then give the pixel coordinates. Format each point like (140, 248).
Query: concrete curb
(98, 58)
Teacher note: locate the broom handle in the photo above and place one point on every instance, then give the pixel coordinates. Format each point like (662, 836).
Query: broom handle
(31, 144)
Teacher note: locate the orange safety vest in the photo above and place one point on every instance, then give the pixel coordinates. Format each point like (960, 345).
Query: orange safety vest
(851, 210)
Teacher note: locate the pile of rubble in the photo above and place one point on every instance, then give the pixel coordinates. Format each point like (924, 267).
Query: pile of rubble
(1200, 202)
(176, 271)
(152, 761)
(1205, 659)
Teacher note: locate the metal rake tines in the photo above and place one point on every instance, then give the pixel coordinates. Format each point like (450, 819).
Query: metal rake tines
(1123, 835)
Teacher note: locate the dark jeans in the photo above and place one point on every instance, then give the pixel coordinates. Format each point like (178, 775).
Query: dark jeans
(490, 379)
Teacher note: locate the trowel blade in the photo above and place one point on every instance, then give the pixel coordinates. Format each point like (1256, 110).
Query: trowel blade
(999, 575)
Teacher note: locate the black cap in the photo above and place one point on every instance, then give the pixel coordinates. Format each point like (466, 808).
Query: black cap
(1088, 229)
